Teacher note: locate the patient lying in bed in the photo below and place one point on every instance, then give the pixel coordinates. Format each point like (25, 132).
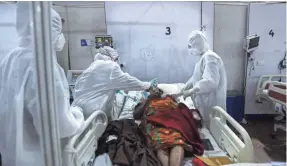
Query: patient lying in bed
(171, 128)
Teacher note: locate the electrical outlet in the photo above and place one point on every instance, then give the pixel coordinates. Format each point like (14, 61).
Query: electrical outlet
(89, 42)
(260, 63)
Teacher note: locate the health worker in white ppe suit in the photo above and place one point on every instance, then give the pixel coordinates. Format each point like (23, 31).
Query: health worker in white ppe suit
(208, 85)
(96, 87)
(19, 112)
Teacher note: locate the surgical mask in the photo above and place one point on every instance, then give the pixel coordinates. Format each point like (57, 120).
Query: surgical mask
(60, 43)
(194, 52)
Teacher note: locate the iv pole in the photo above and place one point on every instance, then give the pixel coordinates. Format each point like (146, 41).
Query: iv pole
(49, 140)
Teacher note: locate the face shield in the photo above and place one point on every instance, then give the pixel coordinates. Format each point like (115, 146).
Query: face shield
(107, 53)
(197, 43)
(112, 53)
(100, 56)
(193, 51)
(114, 56)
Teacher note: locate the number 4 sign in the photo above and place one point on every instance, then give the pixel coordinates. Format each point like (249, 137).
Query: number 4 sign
(271, 33)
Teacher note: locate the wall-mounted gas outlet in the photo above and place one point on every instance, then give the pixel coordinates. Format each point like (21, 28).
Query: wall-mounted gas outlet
(260, 63)
(123, 65)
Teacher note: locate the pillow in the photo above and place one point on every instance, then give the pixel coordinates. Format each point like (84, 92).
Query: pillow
(176, 88)
(171, 88)
(126, 110)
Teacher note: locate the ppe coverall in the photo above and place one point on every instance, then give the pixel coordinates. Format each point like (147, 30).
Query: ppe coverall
(19, 113)
(208, 85)
(96, 87)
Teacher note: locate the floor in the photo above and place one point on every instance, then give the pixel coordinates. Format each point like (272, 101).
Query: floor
(266, 149)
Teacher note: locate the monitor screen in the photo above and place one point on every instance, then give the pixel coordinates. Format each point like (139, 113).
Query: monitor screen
(254, 42)
(74, 77)
(103, 41)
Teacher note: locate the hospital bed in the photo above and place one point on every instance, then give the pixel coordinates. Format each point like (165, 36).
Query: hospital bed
(80, 148)
(273, 89)
(269, 88)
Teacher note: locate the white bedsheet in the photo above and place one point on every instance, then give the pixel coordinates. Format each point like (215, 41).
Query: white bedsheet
(124, 106)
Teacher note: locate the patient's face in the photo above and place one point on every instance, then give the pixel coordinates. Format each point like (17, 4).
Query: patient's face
(155, 93)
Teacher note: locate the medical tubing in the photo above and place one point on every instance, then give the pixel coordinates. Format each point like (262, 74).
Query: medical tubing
(124, 102)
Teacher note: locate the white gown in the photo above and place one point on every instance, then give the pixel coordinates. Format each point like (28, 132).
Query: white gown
(96, 87)
(209, 78)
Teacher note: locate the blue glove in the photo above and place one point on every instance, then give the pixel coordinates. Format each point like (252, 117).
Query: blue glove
(145, 94)
(154, 82)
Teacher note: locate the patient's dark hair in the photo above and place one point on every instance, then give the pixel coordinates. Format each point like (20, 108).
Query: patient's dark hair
(157, 90)
(155, 93)
(137, 105)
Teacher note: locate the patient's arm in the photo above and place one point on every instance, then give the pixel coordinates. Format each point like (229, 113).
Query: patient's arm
(139, 110)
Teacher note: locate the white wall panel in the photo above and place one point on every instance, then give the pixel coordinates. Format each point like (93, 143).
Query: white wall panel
(84, 23)
(83, 20)
(230, 29)
(208, 21)
(138, 30)
(86, 19)
(262, 19)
